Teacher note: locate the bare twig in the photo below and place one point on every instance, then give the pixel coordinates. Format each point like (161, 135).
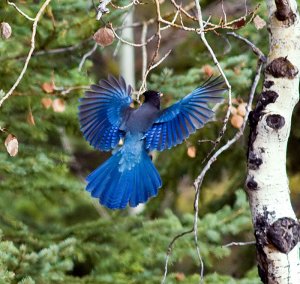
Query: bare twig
(160, 61)
(246, 8)
(173, 21)
(86, 55)
(224, 13)
(143, 85)
(255, 49)
(232, 25)
(144, 48)
(169, 251)
(32, 41)
(20, 11)
(124, 7)
(65, 90)
(152, 63)
(199, 180)
(50, 51)
(131, 43)
(206, 140)
(202, 35)
(154, 20)
(239, 244)
(185, 9)
(262, 57)
(60, 49)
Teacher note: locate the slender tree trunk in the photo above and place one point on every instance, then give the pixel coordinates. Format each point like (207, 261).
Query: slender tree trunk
(127, 60)
(276, 227)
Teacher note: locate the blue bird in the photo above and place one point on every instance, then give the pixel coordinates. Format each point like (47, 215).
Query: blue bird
(106, 117)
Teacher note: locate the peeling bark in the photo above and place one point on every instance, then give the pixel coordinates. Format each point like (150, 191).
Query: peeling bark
(276, 227)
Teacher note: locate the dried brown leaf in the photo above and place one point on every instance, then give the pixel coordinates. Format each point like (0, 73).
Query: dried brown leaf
(241, 110)
(259, 22)
(233, 110)
(46, 102)
(5, 30)
(208, 70)
(237, 121)
(30, 118)
(192, 151)
(58, 105)
(180, 276)
(12, 145)
(240, 23)
(104, 37)
(48, 87)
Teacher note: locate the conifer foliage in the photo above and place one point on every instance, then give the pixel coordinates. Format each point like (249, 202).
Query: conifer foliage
(50, 229)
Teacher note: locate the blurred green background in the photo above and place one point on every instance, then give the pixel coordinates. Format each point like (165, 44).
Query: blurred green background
(51, 231)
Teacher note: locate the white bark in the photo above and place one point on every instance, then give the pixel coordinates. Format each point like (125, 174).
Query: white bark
(127, 62)
(275, 224)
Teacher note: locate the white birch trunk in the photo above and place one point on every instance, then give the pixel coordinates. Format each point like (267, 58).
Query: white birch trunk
(276, 227)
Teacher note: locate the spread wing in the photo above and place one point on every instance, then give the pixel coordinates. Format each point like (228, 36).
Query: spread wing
(102, 110)
(179, 121)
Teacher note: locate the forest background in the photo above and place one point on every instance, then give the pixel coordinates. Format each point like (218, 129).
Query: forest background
(51, 230)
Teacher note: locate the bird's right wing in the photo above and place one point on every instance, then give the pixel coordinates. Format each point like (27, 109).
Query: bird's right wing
(178, 121)
(102, 110)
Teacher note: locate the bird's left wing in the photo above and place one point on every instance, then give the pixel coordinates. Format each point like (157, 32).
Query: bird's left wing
(178, 121)
(102, 110)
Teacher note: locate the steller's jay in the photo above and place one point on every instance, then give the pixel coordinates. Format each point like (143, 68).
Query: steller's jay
(106, 116)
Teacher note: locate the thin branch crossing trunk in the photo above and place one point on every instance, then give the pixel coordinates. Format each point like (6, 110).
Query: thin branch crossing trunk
(276, 227)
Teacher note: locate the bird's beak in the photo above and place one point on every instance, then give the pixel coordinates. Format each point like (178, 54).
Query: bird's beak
(161, 94)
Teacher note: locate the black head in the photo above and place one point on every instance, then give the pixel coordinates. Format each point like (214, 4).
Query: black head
(153, 98)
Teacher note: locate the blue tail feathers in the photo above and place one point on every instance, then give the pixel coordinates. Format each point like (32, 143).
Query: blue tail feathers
(116, 186)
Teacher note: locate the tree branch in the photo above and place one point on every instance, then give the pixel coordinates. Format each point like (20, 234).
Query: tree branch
(20, 11)
(86, 55)
(239, 244)
(199, 180)
(32, 47)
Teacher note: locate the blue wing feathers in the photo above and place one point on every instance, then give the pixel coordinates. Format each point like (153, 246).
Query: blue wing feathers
(164, 137)
(178, 129)
(102, 111)
(169, 135)
(183, 126)
(175, 137)
(184, 117)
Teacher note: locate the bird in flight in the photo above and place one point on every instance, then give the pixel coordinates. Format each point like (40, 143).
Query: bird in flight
(106, 117)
